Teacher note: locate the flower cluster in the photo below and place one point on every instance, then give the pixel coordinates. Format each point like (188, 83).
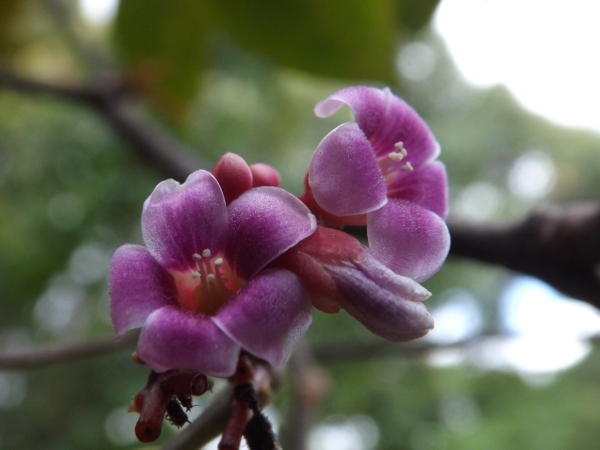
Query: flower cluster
(232, 262)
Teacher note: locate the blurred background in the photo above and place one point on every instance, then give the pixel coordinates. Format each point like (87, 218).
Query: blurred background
(510, 89)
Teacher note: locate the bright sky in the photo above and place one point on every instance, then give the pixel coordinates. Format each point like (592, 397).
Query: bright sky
(545, 51)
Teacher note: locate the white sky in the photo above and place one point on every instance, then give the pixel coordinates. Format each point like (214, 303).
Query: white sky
(545, 51)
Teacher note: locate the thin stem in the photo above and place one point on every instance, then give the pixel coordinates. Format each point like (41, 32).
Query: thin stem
(67, 353)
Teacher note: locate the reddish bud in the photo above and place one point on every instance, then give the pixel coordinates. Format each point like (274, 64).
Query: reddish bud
(264, 175)
(234, 176)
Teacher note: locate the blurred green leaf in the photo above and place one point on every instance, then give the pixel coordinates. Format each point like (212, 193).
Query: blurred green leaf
(163, 44)
(413, 15)
(162, 47)
(21, 22)
(353, 40)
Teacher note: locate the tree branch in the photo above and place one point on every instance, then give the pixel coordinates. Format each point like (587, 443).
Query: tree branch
(557, 244)
(66, 353)
(107, 96)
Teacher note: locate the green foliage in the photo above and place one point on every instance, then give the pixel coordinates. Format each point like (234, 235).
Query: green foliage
(165, 44)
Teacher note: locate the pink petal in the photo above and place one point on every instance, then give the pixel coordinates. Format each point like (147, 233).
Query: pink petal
(268, 316)
(385, 119)
(387, 304)
(180, 220)
(409, 239)
(176, 339)
(427, 187)
(263, 223)
(138, 285)
(344, 175)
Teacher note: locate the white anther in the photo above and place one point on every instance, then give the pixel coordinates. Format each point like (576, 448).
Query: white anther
(408, 166)
(396, 156)
(206, 253)
(210, 277)
(218, 261)
(404, 152)
(195, 274)
(196, 256)
(399, 145)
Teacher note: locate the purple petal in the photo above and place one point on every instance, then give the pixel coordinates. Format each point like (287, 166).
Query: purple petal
(410, 240)
(174, 338)
(387, 304)
(180, 220)
(344, 175)
(138, 285)
(427, 187)
(385, 119)
(263, 223)
(268, 315)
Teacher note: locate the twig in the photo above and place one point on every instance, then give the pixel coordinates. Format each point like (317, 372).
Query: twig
(206, 427)
(107, 96)
(67, 353)
(214, 419)
(310, 384)
(359, 350)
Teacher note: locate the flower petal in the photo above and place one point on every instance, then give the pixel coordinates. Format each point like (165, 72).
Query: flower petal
(344, 175)
(176, 339)
(263, 223)
(410, 240)
(387, 304)
(268, 315)
(385, 119)
(180, 220)
(138, 285)
(427, 187)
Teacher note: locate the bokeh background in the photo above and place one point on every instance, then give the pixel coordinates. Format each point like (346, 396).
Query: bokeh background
(510, 90)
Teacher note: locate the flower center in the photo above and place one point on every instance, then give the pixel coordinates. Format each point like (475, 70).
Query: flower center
(389, 162)
(208, 285)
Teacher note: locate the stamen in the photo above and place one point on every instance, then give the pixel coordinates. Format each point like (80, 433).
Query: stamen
(396, 156)
(196, 256)
(206, 253)
(195, 274)
(210, 278)
(218, 261)
(399, 145)
(408, 166)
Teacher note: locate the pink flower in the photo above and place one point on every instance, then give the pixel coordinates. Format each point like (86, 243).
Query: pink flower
(381, 170)
(198, 289)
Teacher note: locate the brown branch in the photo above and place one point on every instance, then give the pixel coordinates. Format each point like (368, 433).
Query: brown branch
(107, 96)
(66, 353)
(557, 244)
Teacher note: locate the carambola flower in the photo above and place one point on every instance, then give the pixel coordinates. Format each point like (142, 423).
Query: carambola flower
(381, 170)
(198, 288)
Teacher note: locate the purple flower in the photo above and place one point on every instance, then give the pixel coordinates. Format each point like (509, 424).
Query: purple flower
(383, 166)
(198, 289)
(338, 272)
